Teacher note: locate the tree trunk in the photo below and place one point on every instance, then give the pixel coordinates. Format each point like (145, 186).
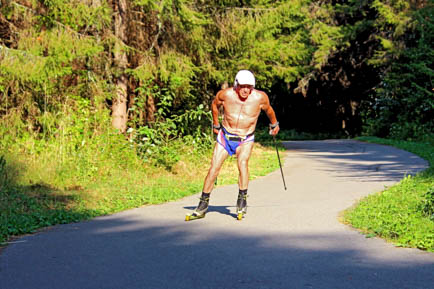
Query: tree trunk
(119, 105)
(150, 109)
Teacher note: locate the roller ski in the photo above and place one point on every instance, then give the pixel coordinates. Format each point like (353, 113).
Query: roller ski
(241, 205)
(200, 211)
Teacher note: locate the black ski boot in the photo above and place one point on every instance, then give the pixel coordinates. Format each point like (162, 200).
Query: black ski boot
(201, 209)
(241, 204)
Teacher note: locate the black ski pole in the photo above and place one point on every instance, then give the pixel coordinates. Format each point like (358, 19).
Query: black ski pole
(280, 165)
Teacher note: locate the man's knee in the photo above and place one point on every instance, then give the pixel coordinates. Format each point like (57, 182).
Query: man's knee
(243, 163)
(213, 171)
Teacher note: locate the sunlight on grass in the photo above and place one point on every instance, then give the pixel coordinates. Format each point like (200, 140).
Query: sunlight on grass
(401, 214)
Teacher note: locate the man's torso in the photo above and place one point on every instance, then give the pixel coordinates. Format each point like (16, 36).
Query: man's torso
(240, 117)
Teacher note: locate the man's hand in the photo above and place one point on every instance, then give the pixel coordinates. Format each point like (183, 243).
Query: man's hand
(216, 128)
(274, 129)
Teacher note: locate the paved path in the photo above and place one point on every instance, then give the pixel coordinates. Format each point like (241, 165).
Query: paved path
(290, 239)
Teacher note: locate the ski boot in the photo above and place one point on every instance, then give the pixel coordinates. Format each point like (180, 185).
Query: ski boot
(241, 205)
(200, 211)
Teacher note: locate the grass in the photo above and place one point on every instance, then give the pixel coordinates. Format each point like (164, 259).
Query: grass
(403, 213)
(41, 189)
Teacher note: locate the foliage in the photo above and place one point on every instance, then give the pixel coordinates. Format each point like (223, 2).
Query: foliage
(402, 104)
(3, 174)
(153, 140)
(334, 53)
(276, 41)
(48, 74)
(427, 206)
(403, 212)
(262, 135)
(77, 15)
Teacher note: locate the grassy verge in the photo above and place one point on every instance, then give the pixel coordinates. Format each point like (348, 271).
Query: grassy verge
(42, 189)
(402, 214)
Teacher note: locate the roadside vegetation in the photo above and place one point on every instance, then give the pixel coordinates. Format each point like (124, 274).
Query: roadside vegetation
(41, 189)
(403, 213)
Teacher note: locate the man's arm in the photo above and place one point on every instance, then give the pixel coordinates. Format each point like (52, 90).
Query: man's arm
(217, 102)
(269, 111)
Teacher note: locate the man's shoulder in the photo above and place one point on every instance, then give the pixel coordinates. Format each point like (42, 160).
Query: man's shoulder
(260, 93)
(227, 92)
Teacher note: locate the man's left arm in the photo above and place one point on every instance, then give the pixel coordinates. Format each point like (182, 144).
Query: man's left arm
(269, 111)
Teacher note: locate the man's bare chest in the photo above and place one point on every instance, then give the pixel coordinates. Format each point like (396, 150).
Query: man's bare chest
(248, 108)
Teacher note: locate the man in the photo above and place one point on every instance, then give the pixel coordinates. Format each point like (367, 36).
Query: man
(242, 105)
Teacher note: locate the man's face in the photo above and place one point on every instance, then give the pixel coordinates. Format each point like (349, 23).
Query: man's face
(244, 90)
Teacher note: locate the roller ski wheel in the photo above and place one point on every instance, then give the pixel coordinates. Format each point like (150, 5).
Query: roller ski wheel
(193, 216)
(241, 206)
(200, 211)
(240, 216)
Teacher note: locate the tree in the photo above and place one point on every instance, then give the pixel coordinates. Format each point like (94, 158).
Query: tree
(119, 105)
(402, 105)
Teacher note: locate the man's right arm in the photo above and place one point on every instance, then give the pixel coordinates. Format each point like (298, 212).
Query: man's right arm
(217, 102)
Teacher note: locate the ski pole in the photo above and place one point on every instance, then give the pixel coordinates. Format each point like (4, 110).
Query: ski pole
(280, 165)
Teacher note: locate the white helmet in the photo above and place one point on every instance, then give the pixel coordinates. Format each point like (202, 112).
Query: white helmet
(244, 77)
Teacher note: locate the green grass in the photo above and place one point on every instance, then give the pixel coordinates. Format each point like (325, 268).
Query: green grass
(402, 214)
(40, 188)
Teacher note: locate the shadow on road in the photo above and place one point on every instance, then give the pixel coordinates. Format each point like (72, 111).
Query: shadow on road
(119, 253)
(224, 210)
(364, 161)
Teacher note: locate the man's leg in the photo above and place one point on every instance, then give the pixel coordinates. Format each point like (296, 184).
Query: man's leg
(218, 158)
(243, 155)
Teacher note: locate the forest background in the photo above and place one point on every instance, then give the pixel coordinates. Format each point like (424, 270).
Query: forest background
(105, 103)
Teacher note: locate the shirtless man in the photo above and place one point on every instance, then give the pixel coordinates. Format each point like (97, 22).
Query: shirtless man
(242, 105)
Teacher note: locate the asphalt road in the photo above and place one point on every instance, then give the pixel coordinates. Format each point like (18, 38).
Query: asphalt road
(289, 239)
